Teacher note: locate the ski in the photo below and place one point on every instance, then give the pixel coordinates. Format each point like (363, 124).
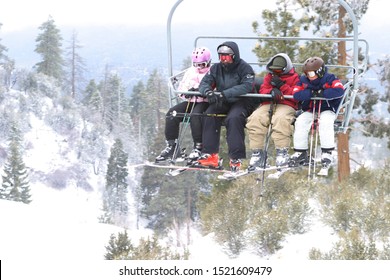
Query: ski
(230, 175)
(175, 172)
(324, 171)
(178, 169)
(279, 172)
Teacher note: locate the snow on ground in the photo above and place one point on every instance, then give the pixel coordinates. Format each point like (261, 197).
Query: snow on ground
(48, 241)
(70, 216)
(62, 224)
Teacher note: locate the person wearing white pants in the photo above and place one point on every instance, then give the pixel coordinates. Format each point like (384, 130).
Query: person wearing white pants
(319, 94)
(326, 132)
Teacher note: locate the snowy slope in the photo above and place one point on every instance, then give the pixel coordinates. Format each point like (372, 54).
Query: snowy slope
(59, 230)
(71, 214)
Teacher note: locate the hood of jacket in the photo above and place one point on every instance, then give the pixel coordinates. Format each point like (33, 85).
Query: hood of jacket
(236, 50)
(289, 66)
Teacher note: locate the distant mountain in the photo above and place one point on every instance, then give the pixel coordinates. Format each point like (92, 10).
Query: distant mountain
(134, 53)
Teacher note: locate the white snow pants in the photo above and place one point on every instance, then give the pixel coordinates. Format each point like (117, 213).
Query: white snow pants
(326, 130)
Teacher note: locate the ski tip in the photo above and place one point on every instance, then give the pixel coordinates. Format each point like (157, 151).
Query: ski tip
(175, 172)
(323, 172)
(233, 175)
(226, 178)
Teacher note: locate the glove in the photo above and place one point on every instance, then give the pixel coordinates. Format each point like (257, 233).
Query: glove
(277, 95)
(210, 96)
(318, 93)
(221, 98)
(277, 82)
(189, 96)
(215, 97)
(204, 94)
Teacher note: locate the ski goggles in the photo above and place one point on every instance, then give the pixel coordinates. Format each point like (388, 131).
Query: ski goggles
(200, 65)
(277, 71)
(226, 57)
(310, 74)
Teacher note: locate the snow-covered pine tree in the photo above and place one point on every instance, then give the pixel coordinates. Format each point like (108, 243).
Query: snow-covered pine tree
(115, 204)
(7, 66)
(92, 96)
(15, 184)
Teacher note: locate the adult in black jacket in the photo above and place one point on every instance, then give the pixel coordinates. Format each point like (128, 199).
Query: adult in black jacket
(222, 86)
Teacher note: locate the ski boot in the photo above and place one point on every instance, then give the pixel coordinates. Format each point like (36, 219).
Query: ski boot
(167, 153)
(282, 157)
(299, 158)
(326, 159)
(235, 165)
(195, 153)
(208, 161)
(258, 160)
(326, 163)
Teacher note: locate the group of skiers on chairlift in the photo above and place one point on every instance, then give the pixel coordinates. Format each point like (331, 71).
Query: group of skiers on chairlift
(317, 93)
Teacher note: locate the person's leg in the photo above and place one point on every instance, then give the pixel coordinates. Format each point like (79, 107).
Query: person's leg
(257, 127)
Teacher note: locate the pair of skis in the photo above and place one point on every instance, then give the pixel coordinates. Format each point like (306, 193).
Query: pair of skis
(175, 170)
(229, 175)
(279, 171)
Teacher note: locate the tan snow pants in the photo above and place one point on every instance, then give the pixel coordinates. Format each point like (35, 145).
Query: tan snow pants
(282, 128)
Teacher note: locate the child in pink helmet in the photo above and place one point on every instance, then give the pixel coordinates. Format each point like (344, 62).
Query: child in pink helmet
(196, 104)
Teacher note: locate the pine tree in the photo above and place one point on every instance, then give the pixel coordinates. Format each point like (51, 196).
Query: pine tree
(15, 184)
(7, 65)
(278, 23)
(3, 49)
(49, 44)
(374, 125)
(119, 247)
(92, 96)
(115, 104)
(115, 198)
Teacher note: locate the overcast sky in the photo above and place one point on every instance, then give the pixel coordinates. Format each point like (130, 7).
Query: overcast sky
(18, 14)
(21, 14)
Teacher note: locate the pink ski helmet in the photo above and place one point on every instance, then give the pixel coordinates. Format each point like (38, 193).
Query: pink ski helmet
(201, 54)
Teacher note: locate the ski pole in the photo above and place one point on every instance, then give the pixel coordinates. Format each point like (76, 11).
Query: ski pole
(186, 121)
(311, 138)
(267, 139)
(317, 132)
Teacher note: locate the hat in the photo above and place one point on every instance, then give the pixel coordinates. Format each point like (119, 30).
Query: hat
(278, 62)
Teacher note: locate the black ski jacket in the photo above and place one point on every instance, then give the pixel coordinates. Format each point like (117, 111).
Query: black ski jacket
(234, 80)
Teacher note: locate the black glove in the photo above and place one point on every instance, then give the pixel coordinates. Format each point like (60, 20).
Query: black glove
(277, 82)
(204, 94)
(215, 97)
(318, 93)
(189, 96)
(210, 96)
(277, 95)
